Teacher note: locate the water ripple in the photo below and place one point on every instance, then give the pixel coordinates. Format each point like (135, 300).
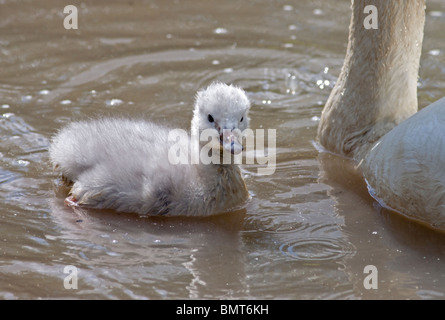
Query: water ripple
(317, 249)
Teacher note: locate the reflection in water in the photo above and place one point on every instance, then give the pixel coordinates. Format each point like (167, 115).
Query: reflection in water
(405, 242)
(204, 256)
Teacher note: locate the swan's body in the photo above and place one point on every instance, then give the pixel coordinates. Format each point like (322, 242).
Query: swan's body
(406, 168)
(124, 164)
(365, 115)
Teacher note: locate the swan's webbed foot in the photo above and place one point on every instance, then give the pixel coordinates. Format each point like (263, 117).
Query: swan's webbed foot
(70, 201)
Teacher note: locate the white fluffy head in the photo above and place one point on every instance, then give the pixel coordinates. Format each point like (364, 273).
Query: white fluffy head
(224, 108)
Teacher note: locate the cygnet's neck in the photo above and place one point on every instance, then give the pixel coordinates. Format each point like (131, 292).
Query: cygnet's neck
(225, 187)
(222, 185)
(377, 86)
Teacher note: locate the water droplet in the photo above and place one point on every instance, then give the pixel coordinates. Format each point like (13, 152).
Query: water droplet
(315, 118)
(436, 14)
(291, 83)
(22, 163)
(220, 31)
(288, 8)
(26, 98)
(8, 115)
(113, 102)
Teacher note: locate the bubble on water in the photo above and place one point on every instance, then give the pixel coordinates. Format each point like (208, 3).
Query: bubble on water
(22, 163)
(228, 70)
(65, 102)
(288, 7)
(8, 115)
(215, 62)
(315, 118)
(27, 98)
(436, 14)
(220, 31)
(323, 83)
(44, 92)
(113, 102)
(318, 12)
(291, 83)
(5, 106)
(434, 52)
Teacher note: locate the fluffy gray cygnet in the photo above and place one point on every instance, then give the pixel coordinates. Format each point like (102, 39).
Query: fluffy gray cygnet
(124, 165)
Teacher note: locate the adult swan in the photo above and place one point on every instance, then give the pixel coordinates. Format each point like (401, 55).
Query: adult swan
(371, 114)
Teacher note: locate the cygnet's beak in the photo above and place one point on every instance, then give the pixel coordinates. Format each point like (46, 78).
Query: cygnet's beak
(230, 141)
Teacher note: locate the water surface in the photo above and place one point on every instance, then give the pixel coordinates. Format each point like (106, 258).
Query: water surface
(310, 228)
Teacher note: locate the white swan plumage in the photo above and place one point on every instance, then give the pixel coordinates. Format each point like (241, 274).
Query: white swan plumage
(371, 114)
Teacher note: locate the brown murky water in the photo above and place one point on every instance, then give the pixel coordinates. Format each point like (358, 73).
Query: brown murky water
(310, 228)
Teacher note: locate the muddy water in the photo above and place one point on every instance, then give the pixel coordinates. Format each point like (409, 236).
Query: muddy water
(310, 228)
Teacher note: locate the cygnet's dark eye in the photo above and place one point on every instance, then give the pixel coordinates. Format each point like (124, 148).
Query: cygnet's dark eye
(210, 118)
(241, 119)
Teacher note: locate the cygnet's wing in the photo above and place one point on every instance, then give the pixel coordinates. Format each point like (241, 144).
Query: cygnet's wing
(118, 163)
(110, 144)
